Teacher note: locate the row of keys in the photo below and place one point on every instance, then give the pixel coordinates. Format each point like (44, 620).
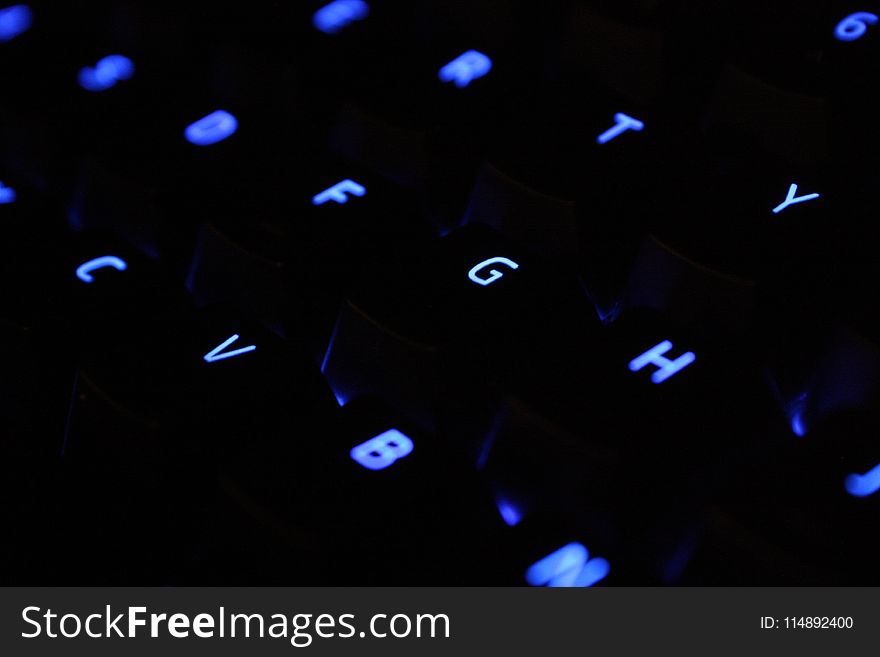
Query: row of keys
(485, 272)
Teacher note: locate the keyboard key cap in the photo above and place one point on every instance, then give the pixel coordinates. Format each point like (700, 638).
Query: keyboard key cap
(604, 465)
(820, 531)
(292, 266)
(470, 302)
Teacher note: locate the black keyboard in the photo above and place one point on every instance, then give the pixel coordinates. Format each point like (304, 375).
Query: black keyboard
(495, 292)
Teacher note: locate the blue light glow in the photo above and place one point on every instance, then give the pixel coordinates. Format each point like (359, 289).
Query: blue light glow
(623, 123)
(569, 566)
(215, 354)
(7, 194)
(666, 368)
(84, 271)
(863, 485)
(341, 399)
(466, 68)
(211, 129)
(796, 411)
(494, 274)
(854, 26)
(336, 16)
(593, 572)
(338, 192)
(106, 73)
(608, 315)
(791, 199)
(798, 426)
(383, 450)
(510, 514)
(15, 20)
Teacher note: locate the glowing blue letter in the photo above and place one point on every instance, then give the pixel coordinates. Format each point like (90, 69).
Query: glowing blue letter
(106, 73)
(667, 368)
(337, 15)
(337, 192)
(210, 129)
(84, 271)
(863, 485)
(854, 26)
(569, 566)
(381, 451)
(7, 194)
(624, 123)
(494, 274)
(791, 199)
(14, 20)
(465, 68)
(215, 355)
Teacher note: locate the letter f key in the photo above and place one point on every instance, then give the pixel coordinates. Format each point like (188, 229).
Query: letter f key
(338, 192)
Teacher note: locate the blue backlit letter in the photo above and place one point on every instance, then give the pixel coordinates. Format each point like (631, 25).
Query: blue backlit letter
(338, 192)
(332, 18)
(569, 566)
(863, 485)
(624, 123)
(381, 451)
(84, 271)
(666, 367)
(494, 274)
(106, 73)
(465, 68)
(217, 352)
(210, 129)
(791, 199)
(14, 20)
(7, 194)
(854, 26)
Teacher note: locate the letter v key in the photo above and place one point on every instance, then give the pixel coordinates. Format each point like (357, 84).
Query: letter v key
(215, 353)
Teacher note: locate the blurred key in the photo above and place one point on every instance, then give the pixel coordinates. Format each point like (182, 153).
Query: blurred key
(823, 377)
(419, 103)
(817, 503)
(546, 550)
(665, 52)
(795, 78)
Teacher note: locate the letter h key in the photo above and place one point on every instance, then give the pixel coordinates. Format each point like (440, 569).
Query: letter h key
(665, 367)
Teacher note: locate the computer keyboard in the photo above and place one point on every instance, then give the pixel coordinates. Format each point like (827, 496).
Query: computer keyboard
(567, 293)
